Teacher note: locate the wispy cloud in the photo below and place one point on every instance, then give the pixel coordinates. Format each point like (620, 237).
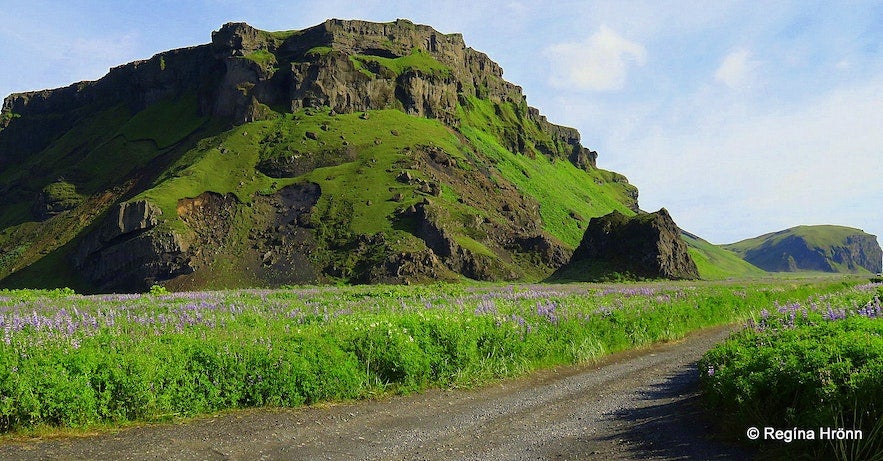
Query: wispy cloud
(737, 70)
(598, 63)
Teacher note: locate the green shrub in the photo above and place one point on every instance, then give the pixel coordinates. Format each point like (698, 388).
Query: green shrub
(807, 366)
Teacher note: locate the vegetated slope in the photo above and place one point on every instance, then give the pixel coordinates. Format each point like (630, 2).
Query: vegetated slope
(813, 248)
(715, 262)
(350, 151)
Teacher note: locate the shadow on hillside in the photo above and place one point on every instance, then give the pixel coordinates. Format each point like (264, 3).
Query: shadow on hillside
(669, 422)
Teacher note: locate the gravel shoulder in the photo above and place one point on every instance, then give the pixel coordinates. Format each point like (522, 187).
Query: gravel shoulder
(635, 405)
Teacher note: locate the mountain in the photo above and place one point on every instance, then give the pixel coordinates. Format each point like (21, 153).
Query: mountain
(813, 248)
(350, 152)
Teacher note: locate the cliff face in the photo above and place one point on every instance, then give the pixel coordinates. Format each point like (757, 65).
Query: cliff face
(813, 248)
(646, 246)
(33, 120)
(350, 150)
(345, 65)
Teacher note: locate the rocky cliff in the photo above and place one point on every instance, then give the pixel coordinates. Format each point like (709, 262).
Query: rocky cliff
(644, 246)
(348, 151)
(347, 66)
(813, 248)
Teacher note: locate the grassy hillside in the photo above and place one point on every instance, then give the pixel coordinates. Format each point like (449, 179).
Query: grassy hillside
(357, 159)
(568, 196)
(816, 236)
(716, 263)
(824, 248)
(86, 170)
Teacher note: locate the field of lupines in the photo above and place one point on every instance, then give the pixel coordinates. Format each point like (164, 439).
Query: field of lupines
(806, 366)
(68, 360)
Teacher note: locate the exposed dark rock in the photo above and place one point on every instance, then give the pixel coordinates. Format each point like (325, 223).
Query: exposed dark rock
(647, 245)
(550, 252)
(288, 238)
(444, 244)
(129, 253)
(231, 82)
(300, 162)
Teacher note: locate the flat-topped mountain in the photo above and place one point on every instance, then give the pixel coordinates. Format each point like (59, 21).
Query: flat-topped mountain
(813, 248)
(349, 151)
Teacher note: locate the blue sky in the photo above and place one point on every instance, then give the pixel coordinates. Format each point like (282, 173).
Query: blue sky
(740, 118)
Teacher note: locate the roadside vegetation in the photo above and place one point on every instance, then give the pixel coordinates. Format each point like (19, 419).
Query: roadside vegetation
(806, 366)
(68, 360)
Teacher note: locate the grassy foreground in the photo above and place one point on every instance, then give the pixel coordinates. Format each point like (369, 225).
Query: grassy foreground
(804, 368)
(68, 360)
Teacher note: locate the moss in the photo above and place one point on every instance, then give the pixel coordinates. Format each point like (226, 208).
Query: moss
(319, 51)
(359, 65)
(418, 61)
(281, 35)
(560, 187)
(7, 117)
(263, 58)
(62, 193)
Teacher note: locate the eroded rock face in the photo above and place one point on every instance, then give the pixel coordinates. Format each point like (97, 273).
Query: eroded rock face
(244, 71)
(860, 250)
(127, 252)
(646, 245)
(445, 246)
(336, 64)
(285, 242)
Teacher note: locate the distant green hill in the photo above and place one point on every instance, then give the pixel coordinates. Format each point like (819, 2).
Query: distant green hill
(812, 248)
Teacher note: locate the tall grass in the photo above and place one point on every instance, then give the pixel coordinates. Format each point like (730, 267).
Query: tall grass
(77, 361)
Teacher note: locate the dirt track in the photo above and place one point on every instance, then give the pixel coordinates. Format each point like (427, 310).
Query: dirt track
(637, 405)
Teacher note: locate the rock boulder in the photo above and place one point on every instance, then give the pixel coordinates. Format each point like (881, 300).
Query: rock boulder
(647, 246)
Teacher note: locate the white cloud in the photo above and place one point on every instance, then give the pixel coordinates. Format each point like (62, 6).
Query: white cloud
(737, 69)
(741, 173)
(599, 63)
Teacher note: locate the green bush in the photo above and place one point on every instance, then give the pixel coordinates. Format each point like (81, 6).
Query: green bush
(807, 366)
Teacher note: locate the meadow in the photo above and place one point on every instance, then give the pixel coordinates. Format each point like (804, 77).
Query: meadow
(69, 360)
(806, 365)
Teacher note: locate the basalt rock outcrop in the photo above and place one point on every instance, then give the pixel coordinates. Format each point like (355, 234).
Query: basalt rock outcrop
(646, 246)
(339, 64)
(127, 252)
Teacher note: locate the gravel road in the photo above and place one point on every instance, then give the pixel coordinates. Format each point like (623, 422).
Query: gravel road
(635, 405)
